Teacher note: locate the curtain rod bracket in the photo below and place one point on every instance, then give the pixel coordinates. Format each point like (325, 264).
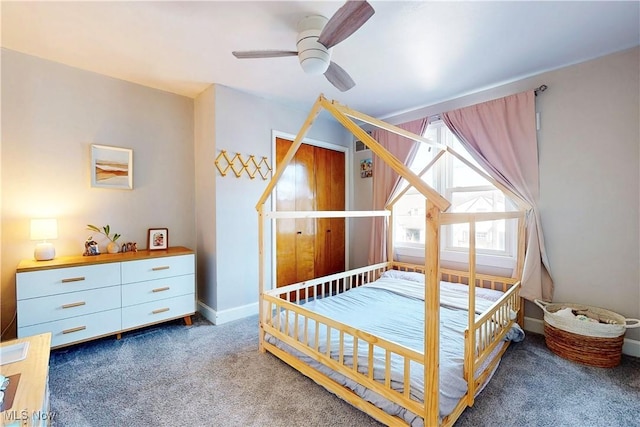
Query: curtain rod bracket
(540, 89)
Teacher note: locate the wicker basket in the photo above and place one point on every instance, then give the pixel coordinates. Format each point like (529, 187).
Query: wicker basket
(588, 343)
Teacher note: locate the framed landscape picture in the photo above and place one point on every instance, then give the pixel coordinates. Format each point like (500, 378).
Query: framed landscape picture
(111, 167)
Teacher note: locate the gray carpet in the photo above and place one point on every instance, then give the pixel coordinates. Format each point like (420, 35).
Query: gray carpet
(205, 375)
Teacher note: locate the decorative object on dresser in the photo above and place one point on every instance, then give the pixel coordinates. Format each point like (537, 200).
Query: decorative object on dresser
(158, 239)
(79, 298)
(111, 167)
(129, 247)
(44, 229)
(112, 246)
(91, 247)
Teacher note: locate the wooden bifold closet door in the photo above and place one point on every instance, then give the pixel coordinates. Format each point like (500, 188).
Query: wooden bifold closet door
(314, 180)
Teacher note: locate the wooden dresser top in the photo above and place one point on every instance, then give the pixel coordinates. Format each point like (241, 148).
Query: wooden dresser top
(80, 260)
(32, 385)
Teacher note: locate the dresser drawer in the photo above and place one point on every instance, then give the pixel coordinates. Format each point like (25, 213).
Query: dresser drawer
(157, 311)
(79, 328)
(55, 307)
(61, 280)
(154, 290)
(157, 268)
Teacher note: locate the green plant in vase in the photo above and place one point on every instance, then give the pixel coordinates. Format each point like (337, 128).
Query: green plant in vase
(112, 246)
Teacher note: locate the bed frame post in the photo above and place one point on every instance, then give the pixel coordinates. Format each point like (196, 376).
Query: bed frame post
(432, 315)
(390, 220)
(261, 314)
(470, 334)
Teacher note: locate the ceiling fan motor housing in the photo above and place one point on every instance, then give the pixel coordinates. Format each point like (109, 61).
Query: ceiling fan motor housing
(314, 57)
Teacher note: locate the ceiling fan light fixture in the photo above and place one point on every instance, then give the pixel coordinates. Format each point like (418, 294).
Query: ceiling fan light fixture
(314, 57)
(314, 62)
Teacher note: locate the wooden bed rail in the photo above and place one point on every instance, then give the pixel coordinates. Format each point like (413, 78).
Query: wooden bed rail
(301, 329)
(487, 332)
(494, 323)
(329, 285)
(486, 281)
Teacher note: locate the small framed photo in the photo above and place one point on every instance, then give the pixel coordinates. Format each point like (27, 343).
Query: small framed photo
(158, 239)
(366, 168)
(111, 167)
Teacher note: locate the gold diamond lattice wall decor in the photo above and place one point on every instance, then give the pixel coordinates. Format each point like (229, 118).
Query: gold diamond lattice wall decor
(238, 165)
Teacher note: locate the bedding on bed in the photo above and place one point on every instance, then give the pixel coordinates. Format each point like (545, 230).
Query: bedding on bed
(393, 308)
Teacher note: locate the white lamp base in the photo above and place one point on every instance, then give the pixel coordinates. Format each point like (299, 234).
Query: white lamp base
(44, 251)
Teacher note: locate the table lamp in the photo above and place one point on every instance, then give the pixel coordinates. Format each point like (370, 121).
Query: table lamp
(44, 229)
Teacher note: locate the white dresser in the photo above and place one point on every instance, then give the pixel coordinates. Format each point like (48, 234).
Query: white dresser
(79, 298)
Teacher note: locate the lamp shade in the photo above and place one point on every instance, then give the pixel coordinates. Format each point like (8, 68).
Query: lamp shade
(44, 229)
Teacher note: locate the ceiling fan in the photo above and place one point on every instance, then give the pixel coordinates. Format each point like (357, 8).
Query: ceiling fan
(316, 37)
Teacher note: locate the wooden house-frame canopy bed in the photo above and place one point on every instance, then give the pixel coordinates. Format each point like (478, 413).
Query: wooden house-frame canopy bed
(408, 344)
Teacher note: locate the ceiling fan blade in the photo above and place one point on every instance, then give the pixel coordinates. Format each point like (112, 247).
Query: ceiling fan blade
(339, 77)
(248, 54)
(351, 16)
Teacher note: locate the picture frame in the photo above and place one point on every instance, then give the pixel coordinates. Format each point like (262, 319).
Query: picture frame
(158, 239)
(111, 167)
(366, 168)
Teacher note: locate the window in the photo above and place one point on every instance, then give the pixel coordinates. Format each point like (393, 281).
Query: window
(468, 192)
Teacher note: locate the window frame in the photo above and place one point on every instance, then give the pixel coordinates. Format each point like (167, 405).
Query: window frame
(443, 174)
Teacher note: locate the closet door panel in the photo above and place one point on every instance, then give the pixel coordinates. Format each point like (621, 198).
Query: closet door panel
(323, 190)
(305, 201)
(330, 177)
(337, 196)
(286, 271)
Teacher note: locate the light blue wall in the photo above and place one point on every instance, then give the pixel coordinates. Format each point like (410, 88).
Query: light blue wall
(228, 227)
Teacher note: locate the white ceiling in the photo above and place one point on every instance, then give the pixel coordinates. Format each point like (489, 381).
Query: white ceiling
(409, 54)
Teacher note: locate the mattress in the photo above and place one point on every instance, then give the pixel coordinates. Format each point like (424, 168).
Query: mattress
(393, 308)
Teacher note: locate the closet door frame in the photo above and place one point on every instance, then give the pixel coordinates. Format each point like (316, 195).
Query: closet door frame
(347, 191)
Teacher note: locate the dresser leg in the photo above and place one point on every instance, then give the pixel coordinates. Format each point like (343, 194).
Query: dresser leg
(118, 336)
(187, 320)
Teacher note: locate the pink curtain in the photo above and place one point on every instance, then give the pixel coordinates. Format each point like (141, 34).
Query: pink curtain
(501, 137)
(386, 180)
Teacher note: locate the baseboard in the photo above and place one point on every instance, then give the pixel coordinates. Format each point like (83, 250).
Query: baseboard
(533, 325)
(630, 347)
(224, 316)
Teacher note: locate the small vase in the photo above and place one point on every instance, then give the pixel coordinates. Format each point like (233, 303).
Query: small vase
(113, 248)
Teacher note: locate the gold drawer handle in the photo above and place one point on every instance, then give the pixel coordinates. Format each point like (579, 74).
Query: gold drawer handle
(165, 288)
(77, 329)
(74, 304)
(73, 279)
(164, 267)
(160, 310)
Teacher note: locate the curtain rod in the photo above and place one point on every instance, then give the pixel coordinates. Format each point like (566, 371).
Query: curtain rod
(537, 91)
